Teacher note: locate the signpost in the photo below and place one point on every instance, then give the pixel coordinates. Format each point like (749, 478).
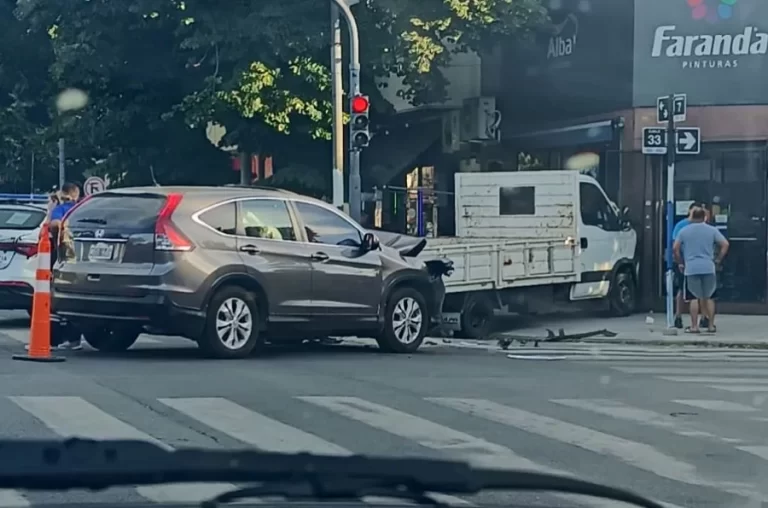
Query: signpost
(94, 185)
(687, 141)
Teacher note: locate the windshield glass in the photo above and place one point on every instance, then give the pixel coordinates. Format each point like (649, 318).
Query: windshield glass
(525, 235)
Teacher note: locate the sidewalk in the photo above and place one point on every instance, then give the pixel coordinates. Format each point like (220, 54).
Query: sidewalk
(732, 331)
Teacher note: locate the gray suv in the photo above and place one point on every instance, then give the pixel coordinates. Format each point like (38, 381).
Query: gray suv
(235, 268)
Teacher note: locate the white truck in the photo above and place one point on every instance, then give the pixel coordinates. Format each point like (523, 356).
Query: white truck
(527, 241)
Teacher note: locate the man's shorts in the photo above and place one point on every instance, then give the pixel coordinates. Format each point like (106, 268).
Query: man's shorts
(701, 287)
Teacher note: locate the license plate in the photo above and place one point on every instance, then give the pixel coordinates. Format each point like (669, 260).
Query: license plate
(5, 258)
(101, 252)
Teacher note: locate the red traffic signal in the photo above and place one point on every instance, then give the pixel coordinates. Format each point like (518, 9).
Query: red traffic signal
(360, 104)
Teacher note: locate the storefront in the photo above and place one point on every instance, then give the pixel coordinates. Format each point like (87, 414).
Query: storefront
(605, 63)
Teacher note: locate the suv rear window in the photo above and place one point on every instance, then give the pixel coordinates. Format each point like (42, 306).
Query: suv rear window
(20, 218)
(134, 211)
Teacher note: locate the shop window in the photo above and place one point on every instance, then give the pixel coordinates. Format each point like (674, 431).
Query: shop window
(517, 201)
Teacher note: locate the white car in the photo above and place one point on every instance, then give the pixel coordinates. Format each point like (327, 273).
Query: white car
(20, 221)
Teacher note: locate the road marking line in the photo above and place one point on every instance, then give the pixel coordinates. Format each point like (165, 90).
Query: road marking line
(621, 411)
(439, 437)
(717, 405)
(741, 388)
(76, 417)
(639, 455)
(262, 432)
(671, 371)
(714, 380)
(11, 498)
(22, 335)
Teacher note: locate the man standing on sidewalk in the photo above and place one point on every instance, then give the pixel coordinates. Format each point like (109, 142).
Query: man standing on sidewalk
(694, 252)
(679, 278)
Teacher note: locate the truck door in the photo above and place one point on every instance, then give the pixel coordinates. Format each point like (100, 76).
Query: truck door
(603, 241)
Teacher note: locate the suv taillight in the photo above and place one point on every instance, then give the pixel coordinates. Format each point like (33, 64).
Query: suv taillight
(167, 236)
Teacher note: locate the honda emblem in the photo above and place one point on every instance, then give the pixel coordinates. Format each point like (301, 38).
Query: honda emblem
(99, 233)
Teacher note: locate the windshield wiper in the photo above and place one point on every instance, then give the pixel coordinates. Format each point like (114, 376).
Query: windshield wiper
(92, 220)
(96, 465)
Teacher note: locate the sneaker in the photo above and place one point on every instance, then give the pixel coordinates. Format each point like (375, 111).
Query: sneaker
(679, 323)
(704, 323)
(70, 346)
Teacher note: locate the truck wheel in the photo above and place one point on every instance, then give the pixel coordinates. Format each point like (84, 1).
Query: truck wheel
(476, 317)
(232, 324)
(622, 296)
(109, 340)
(405, 322)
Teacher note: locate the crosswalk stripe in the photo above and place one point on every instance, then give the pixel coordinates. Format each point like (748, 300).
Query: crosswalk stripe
(438, 437)
(22, 335)
(10, 498)
(260, 431)
(741, 388)
(714, 380)
(671, 371)
(639, 455)
(621, 411)
(717, 405)
(76, 417)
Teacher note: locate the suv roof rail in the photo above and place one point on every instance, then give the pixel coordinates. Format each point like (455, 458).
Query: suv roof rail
(259, 187)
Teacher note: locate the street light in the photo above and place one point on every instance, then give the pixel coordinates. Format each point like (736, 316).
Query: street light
(355, 196)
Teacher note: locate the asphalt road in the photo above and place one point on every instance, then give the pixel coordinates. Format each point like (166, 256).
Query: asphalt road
(684, 430)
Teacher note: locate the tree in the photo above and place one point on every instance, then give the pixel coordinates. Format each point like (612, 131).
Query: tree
(158, 71)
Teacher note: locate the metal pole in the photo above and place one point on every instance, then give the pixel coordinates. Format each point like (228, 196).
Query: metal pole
(671, 152)
(338, 109)
(355, 192)
(62, 167)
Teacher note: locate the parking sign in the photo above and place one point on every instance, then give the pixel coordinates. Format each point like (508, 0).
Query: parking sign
(94, 185)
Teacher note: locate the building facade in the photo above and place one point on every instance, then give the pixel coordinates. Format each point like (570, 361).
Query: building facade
(591, 85)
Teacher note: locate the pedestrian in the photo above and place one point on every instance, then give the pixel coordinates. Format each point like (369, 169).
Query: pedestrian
(678, 280)
(694, 252)
(68, 197)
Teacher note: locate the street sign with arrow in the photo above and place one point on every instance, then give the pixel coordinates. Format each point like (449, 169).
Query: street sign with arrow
(679, 105)
(688, 141)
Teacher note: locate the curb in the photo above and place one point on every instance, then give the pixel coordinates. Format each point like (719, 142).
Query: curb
(662, 342)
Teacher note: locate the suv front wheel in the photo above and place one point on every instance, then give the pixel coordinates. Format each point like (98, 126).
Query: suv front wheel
(405, 322)
(232, 324)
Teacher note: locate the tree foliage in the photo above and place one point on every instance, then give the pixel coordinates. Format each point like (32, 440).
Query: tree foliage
(158, 71)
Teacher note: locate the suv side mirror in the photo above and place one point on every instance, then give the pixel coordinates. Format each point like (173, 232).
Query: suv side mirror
(370, 242)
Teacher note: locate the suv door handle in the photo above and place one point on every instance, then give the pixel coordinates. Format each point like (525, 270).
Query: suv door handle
(319, 256)
(250, 249)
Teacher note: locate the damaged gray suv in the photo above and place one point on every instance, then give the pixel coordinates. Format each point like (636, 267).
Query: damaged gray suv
(236, 268)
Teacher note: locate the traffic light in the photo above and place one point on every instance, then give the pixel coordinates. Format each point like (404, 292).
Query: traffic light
(359, 124)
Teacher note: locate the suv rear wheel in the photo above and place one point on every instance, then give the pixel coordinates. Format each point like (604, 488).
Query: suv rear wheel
(232, 324)
(110, 340)
(405, 322)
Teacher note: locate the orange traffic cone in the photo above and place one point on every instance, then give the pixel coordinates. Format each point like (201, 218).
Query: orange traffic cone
(40, 330)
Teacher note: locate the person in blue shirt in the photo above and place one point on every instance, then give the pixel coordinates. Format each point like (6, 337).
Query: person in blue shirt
(678, 275)
(68, 197)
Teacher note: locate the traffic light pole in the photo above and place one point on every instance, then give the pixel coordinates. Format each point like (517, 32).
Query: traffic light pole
(671, 153)
(337, 180)
(355, 192)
